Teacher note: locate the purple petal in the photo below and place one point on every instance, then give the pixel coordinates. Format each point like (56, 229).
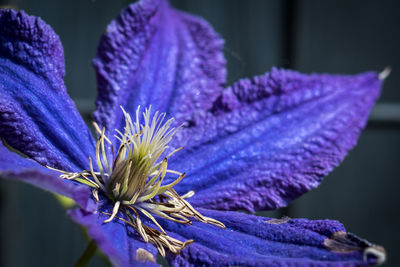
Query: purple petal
(37, 117)
(117, 240)
(269, 140)
(259, 241)
(155, 55)
(15, 167)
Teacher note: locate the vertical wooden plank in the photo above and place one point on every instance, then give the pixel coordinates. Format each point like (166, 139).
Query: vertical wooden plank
(251, 29)
(349, 37)
(363, 192)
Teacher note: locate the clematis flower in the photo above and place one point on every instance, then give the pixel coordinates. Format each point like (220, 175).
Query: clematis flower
(165, 177)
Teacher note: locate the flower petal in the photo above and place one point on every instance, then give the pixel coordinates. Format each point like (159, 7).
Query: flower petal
(118, 241)
(155, 55)
(37, 117)
(15, 167)
(259, 241)
(271, 139)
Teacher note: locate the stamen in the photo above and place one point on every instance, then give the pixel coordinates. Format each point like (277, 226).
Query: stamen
(133, 180)
(188, 195)
(103, 152)
(152, 218)
(95, 193)
(166, 187)
(99, 164)
(94, 174)
(115, 211)
(97, 128)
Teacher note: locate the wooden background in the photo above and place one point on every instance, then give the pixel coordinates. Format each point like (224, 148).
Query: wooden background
(336, 36)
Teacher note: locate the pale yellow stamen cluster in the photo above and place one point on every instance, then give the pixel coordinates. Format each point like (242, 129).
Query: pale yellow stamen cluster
(138, 158)
(133, 178)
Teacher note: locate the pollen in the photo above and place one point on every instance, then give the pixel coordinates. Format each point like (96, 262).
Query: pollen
(132, 178)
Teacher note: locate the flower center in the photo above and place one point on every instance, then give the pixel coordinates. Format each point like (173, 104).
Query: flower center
(138, 159)
(133, 179)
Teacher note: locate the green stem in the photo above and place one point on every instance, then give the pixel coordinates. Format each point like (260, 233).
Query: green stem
(87, 255)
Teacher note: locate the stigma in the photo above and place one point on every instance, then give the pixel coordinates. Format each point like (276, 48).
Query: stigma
(132, 178)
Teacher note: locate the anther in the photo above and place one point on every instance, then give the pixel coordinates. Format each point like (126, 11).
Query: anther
(115, 211)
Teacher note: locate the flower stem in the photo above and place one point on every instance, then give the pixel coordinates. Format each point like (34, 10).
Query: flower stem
(87, 255)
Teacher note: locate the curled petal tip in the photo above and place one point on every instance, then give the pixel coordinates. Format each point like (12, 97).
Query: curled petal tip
(376, 252)
(385, 73)
(342, 242)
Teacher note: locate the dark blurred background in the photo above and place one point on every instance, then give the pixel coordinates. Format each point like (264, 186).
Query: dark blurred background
(335, 36)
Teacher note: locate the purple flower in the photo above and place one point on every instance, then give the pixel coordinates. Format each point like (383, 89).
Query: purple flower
(255, 145)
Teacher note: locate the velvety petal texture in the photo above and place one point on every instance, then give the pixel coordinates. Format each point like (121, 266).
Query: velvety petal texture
(248, 240)
(268, 140)
(256, 145)
(37, 117)
(15, 167)
(155, 55)
(120, 242)
(259, 241)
